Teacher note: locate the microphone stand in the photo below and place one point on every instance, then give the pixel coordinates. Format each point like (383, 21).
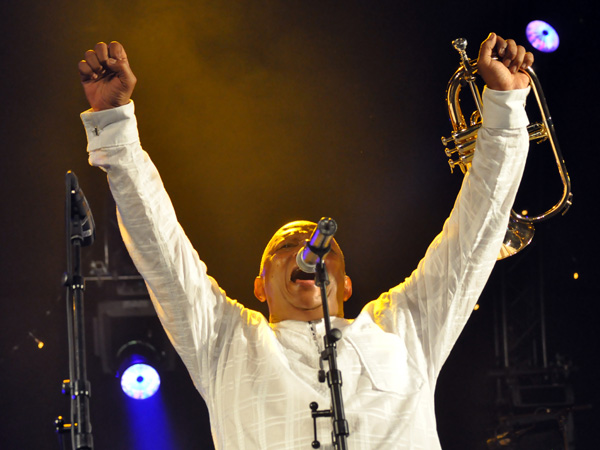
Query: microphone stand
(340, 431)
(79, 232)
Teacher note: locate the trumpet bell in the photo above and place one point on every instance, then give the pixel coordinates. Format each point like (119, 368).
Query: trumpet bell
(518, 236)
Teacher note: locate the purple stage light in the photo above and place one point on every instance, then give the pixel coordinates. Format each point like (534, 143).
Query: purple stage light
(542, 36)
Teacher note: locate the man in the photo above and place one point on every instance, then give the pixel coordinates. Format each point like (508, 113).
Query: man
(258, 377)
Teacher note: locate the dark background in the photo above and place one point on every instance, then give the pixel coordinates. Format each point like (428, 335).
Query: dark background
(257, 113)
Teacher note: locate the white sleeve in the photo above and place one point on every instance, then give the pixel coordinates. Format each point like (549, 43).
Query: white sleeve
(430, 308)
(195, 312)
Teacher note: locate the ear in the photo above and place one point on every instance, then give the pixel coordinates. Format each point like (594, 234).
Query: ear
(347, 287)
(259, 289)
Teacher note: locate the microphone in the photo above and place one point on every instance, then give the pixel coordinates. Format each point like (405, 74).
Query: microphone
(80, 209)
(317, 246)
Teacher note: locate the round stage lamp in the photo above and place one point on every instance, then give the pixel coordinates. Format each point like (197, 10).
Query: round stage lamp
(542, 36)
(140, 381)
(137, 361)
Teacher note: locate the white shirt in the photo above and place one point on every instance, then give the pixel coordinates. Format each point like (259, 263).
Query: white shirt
(258, 378)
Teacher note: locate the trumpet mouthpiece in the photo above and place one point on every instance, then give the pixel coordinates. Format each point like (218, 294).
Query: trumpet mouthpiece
(460, 44)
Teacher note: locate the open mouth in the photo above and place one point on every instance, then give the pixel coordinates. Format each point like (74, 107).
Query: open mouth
(298, 274)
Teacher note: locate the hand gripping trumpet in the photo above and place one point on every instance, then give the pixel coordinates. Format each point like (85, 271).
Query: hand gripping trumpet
(520, 228)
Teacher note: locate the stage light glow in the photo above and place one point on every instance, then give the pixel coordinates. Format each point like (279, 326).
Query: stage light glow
(140, 381)
(542, 36)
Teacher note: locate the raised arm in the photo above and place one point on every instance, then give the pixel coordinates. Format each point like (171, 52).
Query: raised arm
(430, 309)
(194, 311)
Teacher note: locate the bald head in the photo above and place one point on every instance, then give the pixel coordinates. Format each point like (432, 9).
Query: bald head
(295, 227)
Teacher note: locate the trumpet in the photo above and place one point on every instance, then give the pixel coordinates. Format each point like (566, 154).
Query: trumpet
(520, 229)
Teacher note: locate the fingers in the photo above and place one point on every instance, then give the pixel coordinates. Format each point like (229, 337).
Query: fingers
(528, 60)
(508, 52)
(101, 51)
(85, 71)
(505, 50)
(518, 60)
(107, 79)
(513, 56)
(103, 58)
(500, 61)
(93, 65)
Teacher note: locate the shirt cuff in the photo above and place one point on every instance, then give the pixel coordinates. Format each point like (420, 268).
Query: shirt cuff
(505, 109)
(111, 127)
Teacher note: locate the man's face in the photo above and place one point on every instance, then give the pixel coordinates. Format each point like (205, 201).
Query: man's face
(290, 293)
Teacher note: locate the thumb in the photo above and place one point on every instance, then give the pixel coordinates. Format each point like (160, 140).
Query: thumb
(118, 65)
(118, 62)
(121, 68)
(485, 51)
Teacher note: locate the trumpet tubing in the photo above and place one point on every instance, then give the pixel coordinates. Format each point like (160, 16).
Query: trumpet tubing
(460, 146)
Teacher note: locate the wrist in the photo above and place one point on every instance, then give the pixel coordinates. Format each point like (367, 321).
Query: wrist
(104, 106)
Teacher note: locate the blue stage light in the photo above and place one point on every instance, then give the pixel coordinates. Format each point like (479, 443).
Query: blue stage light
(542, 36)
(140, 381)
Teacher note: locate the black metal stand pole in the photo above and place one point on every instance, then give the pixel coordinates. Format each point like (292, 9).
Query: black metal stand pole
(340, 432)
(79, 232)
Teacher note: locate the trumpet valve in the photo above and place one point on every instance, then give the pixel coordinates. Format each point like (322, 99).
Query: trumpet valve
(452, 163)
(450, 151)
(447, 140)
(537, 132)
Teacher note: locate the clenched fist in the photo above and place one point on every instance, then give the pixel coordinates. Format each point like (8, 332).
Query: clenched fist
(106, 77)
(499, 63)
